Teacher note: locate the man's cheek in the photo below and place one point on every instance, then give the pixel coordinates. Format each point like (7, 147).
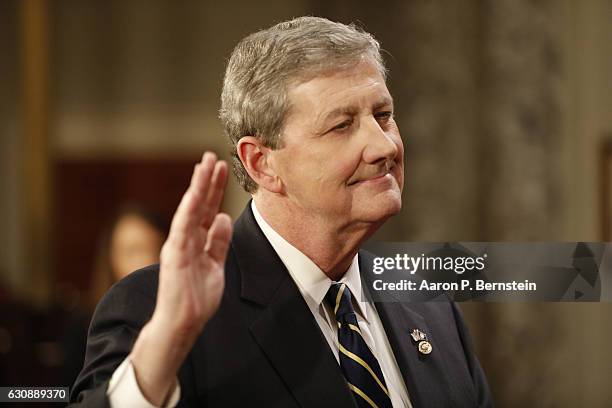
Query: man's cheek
(348, 165)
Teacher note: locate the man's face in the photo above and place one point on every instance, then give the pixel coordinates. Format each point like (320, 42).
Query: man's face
(342, 154)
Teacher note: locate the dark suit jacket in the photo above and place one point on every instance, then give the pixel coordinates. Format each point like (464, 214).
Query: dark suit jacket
(263, 347)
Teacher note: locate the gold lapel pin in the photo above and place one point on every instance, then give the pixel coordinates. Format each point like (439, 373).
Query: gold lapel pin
(423, 345)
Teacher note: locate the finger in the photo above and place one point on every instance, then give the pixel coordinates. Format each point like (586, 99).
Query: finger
(202, 213)
(219, 237)
(201, 182)
(215, 193)
(188, 213)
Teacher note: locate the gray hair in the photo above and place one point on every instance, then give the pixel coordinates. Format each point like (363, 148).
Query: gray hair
(263, 65)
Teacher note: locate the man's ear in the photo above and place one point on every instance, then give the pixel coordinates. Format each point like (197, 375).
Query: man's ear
(255, 159)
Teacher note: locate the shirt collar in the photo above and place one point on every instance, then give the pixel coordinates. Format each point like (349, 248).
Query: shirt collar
(310, 279)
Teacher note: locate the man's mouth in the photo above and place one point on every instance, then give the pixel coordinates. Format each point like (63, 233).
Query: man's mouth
(373, 177)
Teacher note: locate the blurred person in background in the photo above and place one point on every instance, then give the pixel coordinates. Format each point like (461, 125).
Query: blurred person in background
(132, 240)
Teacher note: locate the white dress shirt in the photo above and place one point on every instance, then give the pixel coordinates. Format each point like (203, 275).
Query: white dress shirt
(313, 285)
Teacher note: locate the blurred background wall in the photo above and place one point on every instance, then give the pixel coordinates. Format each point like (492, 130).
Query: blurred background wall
(504, 105)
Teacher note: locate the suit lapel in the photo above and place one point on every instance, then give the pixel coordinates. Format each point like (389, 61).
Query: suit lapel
(424, 375)
(291, 339)
(285, 329)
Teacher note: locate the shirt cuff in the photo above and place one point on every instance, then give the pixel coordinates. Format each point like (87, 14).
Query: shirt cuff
(123, 390)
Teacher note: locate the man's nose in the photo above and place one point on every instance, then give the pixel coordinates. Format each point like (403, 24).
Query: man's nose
(379, 145)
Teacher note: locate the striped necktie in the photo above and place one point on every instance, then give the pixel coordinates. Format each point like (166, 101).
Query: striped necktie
(360, 367)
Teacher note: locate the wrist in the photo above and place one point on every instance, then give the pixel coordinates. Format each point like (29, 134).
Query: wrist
(166, 328)
(157, 356)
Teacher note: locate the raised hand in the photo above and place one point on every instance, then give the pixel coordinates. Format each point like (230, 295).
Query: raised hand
(191, 281)
(191, 277)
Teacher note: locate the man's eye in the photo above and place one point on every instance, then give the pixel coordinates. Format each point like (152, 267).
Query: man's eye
(386, 115)
(342, 126)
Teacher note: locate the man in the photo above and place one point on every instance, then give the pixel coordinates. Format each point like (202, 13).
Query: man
(268, 316)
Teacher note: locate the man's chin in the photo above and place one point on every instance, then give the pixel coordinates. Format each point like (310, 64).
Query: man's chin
(381, 210)
(393, 208)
